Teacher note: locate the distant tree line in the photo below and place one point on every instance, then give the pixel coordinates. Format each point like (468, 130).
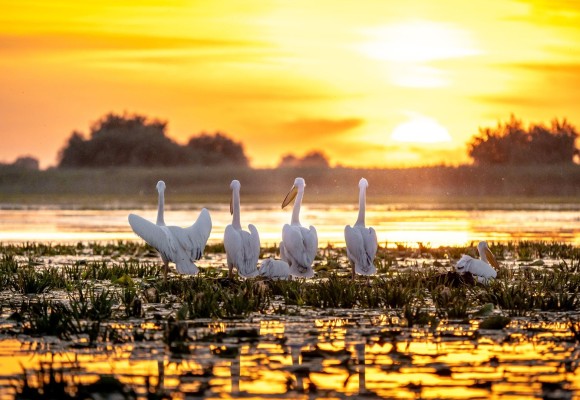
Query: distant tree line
(134, 140)
(23, 162)
(312, 159)
(511, 143)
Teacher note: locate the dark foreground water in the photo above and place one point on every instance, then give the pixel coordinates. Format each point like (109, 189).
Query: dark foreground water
(350, 354)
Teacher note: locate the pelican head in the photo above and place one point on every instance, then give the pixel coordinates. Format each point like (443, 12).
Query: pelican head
(363, 183)
(160, 186)
(299, 184)
(235, 184)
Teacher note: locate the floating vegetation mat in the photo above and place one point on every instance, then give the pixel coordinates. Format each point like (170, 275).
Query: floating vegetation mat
(98, 321)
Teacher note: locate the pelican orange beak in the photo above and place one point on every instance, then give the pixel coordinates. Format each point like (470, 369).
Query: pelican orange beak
(491, 258)
(290, 196)
(232, 205)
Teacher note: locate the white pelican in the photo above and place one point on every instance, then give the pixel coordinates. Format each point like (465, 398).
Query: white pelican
(361, 242)
(242, 248)
(482, 269)
(182, 246)
(275, 269)
(299, 244)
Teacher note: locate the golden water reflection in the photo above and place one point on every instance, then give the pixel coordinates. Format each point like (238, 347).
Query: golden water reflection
(393, 225)
(325, 357)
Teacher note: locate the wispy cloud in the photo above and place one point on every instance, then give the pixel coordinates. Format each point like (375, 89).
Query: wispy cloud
(321, 126)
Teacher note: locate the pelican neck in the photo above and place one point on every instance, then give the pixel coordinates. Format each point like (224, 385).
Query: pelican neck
(236, 209)
(160, 207)
(296, 209)
(361, 206)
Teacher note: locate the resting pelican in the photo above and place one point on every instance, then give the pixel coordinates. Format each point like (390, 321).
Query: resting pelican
(275, 269)
(361, 242)
(182, 246)
(299, 244)
(242, 248)
(482, 269)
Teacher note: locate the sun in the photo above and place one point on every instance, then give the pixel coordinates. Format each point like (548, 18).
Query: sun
(421, 129)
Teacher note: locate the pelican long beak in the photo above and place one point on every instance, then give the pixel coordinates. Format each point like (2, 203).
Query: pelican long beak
(491, 258)
(290, 196)
(232, 205)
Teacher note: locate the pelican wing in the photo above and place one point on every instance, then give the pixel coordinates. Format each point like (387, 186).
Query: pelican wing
(310, 238)
(297, 249)
(361, 247)
(354, 244)
(157, 236)
(198, 234)
(242, 250)
(371, 243)
(232, 244)
(481, 268)
(248, 258)
(476, 267)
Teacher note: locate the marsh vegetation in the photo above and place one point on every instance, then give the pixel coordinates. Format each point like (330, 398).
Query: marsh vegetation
(96, 301)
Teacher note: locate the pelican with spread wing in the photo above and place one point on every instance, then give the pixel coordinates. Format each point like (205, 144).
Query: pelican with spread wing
(181, 246)
(242, 247)
(482, 269)
(361, 242)
(299, 244)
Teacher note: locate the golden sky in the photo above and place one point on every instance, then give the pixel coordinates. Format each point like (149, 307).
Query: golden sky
(370, 83)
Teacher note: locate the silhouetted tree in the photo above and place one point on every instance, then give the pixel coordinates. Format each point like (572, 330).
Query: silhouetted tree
(27, 162)
(313, 159)
(216, 149)
(122, 140)
(511, 143)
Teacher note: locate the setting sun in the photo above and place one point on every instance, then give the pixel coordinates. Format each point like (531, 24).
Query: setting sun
(421, 129)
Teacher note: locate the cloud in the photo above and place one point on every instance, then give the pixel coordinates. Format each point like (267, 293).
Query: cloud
(366, 154)
(517, 101)
(322, 126)
(118, 41)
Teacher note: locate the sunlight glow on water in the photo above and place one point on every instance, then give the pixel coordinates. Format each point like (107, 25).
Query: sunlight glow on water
(409, 226)
(326, 356)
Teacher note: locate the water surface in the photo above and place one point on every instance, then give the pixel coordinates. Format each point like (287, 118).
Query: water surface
(394, 224)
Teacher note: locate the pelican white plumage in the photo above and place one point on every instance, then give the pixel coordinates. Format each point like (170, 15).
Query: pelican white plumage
(482, 269)
(181, 246)
(361, 242)
(299, 244)
(242, 247)
(275, 269)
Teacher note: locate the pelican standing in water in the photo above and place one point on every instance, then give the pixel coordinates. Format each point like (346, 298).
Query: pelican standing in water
(242, 248)
(482, 269)
(299, 244)
(361, 242)
(181, 246)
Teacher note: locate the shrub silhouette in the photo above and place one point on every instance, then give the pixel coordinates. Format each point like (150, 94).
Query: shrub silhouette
(511, 143)
(135, 140)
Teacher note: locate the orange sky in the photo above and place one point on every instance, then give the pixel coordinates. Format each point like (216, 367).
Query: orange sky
(371, 83)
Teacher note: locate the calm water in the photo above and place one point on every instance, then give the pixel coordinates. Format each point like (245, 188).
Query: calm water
(320, 357)
(394, 224)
